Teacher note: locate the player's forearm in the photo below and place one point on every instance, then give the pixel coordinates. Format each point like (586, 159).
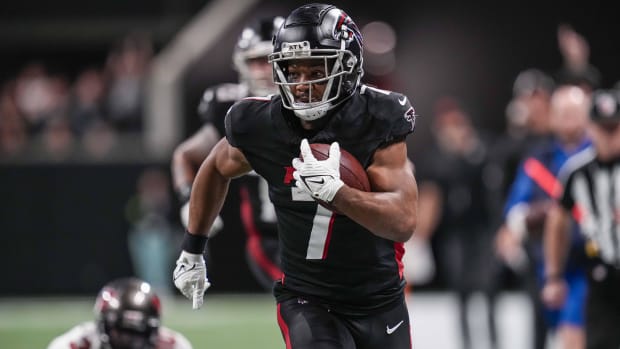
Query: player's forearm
(389, 215)
(556, 241)
(189, 155)
(208, 194)
(183, 172)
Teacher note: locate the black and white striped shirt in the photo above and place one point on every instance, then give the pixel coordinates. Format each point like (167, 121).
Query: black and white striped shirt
(592, 192)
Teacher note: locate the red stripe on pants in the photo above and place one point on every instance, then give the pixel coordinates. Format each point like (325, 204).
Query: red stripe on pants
(284, 329)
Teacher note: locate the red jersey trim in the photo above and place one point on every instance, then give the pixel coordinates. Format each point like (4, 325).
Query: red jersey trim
(253, 238)
(329, 235)
(399, 252)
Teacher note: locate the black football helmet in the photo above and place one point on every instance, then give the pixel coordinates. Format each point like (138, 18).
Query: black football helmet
(255, 42)
(127, 313)
(322, 32)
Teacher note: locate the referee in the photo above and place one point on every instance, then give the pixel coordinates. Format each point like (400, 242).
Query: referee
(591, 195)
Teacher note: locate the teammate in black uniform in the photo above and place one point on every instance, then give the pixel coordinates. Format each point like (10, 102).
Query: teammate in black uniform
(257, 213)
(342, 285)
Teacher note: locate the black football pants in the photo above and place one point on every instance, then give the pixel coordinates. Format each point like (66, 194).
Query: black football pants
(307, 325)
(603, 308)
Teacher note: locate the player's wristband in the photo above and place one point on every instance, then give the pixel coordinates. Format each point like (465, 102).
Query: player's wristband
(194, 243)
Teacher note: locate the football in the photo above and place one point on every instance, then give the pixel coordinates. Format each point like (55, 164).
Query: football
(352, 173)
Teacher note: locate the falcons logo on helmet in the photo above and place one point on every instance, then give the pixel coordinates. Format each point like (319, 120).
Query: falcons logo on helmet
(346, 29)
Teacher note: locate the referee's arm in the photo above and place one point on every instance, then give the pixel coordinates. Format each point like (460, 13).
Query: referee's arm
(556, 243)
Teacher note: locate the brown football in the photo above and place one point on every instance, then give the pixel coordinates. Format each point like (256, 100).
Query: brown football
(352, 173)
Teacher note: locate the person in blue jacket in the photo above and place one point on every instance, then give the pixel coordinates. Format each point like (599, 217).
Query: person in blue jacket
(519, 240)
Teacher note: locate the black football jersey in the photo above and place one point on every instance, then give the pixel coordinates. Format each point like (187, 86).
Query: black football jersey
(325, 255)
(212, 109)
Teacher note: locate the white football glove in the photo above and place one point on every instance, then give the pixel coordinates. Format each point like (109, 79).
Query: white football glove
(320, 178)
(218, 224)
(190, 277)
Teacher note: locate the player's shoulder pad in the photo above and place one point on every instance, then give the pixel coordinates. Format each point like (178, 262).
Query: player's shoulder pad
(225, 92)
(81, 334)
(220, 96)
(392, 108)
(243, 115)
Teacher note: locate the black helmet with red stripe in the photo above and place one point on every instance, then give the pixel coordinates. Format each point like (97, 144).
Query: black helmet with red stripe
(326, 33)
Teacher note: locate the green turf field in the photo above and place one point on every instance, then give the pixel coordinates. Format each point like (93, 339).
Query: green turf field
(231, 322)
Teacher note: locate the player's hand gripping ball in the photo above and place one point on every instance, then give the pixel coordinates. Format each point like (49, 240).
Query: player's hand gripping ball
(322, 169)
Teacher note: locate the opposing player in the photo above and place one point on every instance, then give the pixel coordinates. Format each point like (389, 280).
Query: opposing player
(342, 285)
(127, 316)
(257, 213)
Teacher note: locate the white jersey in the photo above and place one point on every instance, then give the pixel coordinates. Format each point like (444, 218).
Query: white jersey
(84, 336)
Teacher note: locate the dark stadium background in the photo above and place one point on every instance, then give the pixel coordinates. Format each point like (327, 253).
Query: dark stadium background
(62, 226)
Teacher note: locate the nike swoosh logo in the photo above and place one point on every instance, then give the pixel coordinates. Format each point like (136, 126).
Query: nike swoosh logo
(391, 330)
(307, 179)
(182, 270)
(402, 101)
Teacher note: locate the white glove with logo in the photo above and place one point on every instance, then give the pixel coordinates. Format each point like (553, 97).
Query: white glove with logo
(190, 277)
(320, 178)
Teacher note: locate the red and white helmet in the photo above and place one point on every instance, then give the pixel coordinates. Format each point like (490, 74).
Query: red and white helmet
(127, 313)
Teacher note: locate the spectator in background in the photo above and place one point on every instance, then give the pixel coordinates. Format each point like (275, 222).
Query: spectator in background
(99, 140)
(89, 115)
(525, 213)
(86, 106)
(62, 120)
(13, 130)
(127, 316)
(527, 116)
(576, 68)
(34, 96)
(527, 125)
(57, 139)
(453, 172)
(126, 68)
(152, 235)
(527, 113)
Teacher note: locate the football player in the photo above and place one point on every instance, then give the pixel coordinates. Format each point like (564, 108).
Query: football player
(257, 213)
(127, 316)
(343, 285)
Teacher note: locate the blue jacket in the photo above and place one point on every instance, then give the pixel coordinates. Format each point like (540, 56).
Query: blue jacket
(533, 183)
